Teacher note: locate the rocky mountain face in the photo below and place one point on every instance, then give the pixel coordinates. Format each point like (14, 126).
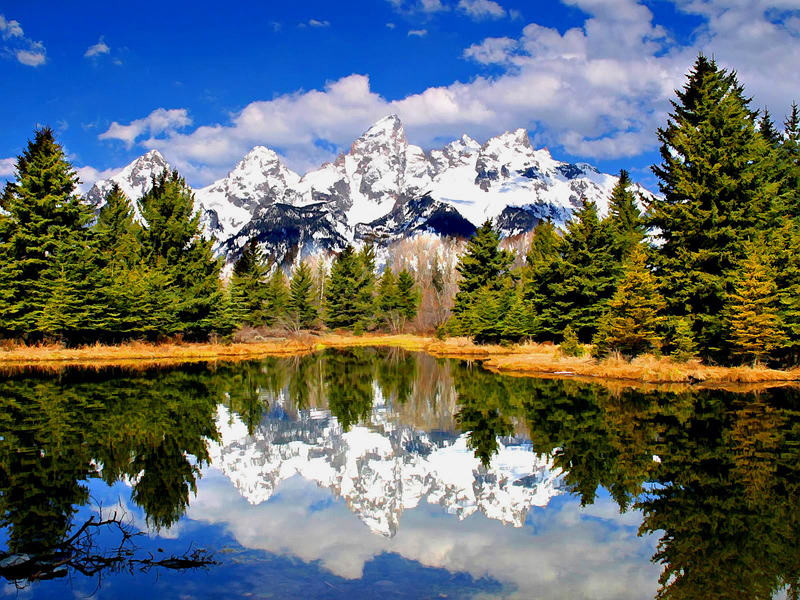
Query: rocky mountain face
(383, 189)
(382, 468)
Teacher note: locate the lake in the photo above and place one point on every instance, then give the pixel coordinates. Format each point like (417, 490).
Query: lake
(381, 473)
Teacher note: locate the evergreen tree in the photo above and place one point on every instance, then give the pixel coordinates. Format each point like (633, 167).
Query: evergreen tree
(682, 342)
(625, 218)
(407, 295)
(789, 152)
(517, 322)
(570, 345)
(44, 219)
(365, 290)
(541, 273)
(766, 127)
(752, 314)
(276, 298)
(588, 277)
(344, 286)
(388, 301)
(482, 266)
(248, 287)
(486, 317)
(172, 239)
(632, 322)
(302, 310)
(717, 194)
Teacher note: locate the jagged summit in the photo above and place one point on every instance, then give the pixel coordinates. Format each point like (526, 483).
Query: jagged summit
(374, 190)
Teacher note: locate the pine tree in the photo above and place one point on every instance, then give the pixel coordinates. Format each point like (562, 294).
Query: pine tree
(44, 219)
(766, 127)
(752, 314)
(482, 266)
(388, 301)
(517, 322)
(633, 320)
(588, 275)
(407, 295)
(570, 345)
(486, 317)
(682, 342)
(248, 288)
(276, 301)
(365, 288)
(343, 288)
(541, 273)
(172, 240)
(624, 217)
(302, 310)
(717, 193)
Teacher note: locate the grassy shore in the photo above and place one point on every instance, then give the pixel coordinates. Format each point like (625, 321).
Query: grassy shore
(526, 359)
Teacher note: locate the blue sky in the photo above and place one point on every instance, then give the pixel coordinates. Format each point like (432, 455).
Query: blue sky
(205, 82)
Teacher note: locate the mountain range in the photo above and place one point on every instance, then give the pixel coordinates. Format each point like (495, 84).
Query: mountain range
(382, 468)
(382, 189)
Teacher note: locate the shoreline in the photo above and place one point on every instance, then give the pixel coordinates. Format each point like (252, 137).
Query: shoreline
(523, 360)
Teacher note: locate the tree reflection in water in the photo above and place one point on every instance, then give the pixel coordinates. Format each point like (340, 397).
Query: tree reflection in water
(714, 473)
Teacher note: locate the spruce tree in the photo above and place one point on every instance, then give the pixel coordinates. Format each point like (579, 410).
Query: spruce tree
(587, 279)
(388, 301)
(248, 287)
(342, 289)
(365, 288)
(276, 302)
(624, 217)
(751, 312)
(541, 273)
(482, 267)
(717, 193)
(681, 340)
(407, 295)
(172, 239)
(632, 323)
(517, 321)
(301, 308)
(44, 219)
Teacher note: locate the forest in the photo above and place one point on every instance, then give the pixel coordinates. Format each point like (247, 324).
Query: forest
(709, 269)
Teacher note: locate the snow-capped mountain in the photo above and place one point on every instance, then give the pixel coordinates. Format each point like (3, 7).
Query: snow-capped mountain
(383, 189)
(382, 469)
(135, 180)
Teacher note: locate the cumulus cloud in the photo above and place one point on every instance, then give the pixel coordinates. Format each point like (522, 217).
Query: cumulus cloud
(89, 175)
(418, 33)
(157, 122)
(8, 166)
(97, 49)
(316, 23)
(599, 90)
(17, 45)
(482, 9)
(418, 6)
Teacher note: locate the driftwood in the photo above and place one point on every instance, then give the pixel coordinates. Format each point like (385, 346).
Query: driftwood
(80, 553)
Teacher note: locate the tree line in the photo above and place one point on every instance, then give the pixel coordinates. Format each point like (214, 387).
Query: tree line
(712, 268)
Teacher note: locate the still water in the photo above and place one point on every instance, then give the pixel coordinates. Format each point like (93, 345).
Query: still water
(380, 473)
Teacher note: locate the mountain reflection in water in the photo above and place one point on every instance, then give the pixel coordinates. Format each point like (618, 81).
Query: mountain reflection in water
(289, 458)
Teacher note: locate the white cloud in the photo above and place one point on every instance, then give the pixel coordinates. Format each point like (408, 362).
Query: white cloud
(481, 9)
(97, 49)
(596, 91)
(492, 51)
(316, 23)
(157, 122)
(10, 29)
(8, 166)
(391, 25)
(17, 45)
(418, 33)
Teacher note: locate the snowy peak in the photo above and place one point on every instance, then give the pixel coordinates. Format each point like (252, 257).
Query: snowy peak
(135, 180)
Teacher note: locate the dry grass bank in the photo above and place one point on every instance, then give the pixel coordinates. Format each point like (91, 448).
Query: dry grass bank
(527, 359)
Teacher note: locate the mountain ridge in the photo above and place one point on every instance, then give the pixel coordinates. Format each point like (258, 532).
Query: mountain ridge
(382, 189)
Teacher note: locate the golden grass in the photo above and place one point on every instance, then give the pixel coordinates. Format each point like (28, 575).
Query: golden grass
(526, 359)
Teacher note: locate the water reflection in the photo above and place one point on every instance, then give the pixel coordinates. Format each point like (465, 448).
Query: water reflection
(290, 449)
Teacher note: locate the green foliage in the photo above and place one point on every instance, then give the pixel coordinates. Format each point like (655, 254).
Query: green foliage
(350, 289)
(248, 289)
(717, 194)
(570, 345)
(482, 267)
(301, 308)
(44, 219)
(587, 278)
(751, 312)
(408, 296)
(682, 341)
(632, 323)
(276, 297)
(541, 273)
(624, 218)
